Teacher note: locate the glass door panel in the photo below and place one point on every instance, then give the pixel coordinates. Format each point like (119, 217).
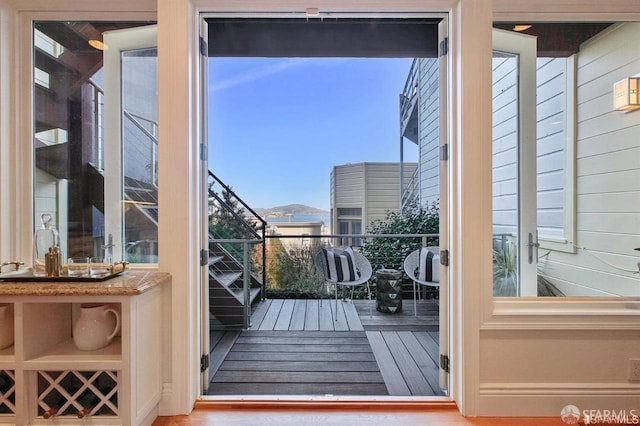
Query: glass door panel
(514, 165)
(131, 154)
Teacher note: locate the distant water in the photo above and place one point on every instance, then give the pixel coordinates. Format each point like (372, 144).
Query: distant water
(325, 217)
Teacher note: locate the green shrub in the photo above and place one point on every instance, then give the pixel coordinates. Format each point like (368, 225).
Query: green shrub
(390, 252)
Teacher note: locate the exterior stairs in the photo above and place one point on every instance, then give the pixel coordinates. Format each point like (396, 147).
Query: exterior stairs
(226, 297)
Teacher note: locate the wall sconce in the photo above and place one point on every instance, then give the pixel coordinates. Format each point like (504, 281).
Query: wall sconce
(626, 94)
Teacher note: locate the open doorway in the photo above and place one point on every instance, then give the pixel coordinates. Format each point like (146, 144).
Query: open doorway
(265, 337)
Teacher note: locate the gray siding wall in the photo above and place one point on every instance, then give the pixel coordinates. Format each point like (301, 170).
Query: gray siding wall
(607, 174)
(551, 103)
(383, 188)
(505, 152)
(429, 131)
(551, 134)
(373, 187)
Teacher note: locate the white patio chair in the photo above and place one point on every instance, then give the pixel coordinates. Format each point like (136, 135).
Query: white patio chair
(365, 272)
(411, 264)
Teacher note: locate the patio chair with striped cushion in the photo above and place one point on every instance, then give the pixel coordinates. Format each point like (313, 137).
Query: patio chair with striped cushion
(421, 266)
(344, 267)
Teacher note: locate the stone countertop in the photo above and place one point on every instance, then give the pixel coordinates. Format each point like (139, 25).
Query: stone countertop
(129, 283)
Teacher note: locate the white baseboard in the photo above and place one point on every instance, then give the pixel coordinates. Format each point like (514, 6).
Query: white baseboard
(166, 405)
(548, 399)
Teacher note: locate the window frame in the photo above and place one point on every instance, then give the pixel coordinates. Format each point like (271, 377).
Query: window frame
(567, 313)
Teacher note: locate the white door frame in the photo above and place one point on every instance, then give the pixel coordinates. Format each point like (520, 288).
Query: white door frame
(444, 313)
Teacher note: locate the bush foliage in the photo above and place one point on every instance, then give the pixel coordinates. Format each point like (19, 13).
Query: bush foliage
(391, 252)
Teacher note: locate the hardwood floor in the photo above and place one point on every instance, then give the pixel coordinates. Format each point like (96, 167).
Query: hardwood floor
(344, 417)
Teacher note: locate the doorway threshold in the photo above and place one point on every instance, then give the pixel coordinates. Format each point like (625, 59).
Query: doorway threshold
(326, 402)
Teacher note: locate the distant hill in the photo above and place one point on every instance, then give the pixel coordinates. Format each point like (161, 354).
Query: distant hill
(289, 209)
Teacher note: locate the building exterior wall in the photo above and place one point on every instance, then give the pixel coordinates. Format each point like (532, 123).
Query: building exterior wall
(429, 131)
(296, 229)
(607, 174)
(372, 187)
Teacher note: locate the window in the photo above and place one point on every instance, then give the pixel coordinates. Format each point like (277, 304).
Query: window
(72, 175)
(350, 223)
(576, 175)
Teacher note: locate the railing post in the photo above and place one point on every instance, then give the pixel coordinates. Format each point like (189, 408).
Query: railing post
(245, 285)
(264, 262)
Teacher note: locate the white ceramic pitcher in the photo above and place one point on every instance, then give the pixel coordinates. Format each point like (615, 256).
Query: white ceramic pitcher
(96, 326)
(6, 325)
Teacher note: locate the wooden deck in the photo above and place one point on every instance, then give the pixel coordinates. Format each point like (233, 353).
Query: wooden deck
(295, 347)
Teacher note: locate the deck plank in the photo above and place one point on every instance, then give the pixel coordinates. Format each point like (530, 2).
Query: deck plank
(426, 320)
(299, 312)
(258, 314)
(293, 340)
(298, 348)
(271, 316)
(286, 312)
(302, 333)
(413, 377)
(301, 356)
(311, 319)
(307, 365)
(238, 376)
(328, 389)
(220, 351)
(341, 324)
(390, 372)
(325, 311)
(353, 320)
(423, 360)
(431, 346)
(214, 337)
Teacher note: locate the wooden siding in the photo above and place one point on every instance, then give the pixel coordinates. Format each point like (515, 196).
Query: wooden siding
(348, 181)
(373, 187)
(550, 133)
(383, 188)
(607, 174)
(429, 131)
(550, 111)
(505, 138)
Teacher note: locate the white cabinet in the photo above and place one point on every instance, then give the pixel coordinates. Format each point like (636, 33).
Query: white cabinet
(44, 374)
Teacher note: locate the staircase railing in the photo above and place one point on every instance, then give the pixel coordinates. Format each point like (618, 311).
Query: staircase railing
(410, 192)
(152, 134)
(255, 221)
(409, 92)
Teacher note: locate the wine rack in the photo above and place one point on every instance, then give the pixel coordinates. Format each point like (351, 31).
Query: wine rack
(79, 394)
(7, 392)
(46, 378)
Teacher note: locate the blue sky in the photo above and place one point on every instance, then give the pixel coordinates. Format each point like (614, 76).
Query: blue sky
(277, 126)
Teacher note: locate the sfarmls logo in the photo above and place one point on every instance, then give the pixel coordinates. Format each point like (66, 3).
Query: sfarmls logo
(571, 415)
